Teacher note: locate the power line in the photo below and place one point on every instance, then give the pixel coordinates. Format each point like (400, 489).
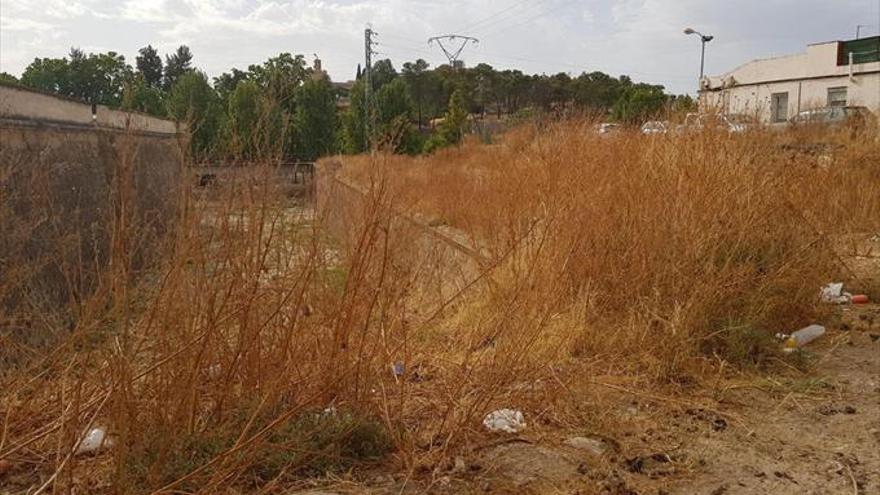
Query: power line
(497, 16)
(530, 19)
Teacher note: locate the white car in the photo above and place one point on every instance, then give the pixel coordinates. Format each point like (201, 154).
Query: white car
(699, 121)
(607, 128)
(655, 127)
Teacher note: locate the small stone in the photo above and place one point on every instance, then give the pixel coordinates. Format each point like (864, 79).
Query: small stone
(593, 445)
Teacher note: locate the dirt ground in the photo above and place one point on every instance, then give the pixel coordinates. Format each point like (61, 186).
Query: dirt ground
(809, 430)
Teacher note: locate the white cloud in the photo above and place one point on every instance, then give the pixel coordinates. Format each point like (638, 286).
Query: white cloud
(638, 37)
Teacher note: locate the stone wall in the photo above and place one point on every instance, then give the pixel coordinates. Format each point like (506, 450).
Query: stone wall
(75, 191)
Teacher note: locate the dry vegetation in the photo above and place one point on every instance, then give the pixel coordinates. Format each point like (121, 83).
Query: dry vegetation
(260, 352)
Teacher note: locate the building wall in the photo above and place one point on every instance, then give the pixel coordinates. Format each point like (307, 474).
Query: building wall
(805, 77)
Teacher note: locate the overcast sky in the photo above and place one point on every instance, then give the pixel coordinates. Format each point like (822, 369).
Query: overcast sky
(641, 38)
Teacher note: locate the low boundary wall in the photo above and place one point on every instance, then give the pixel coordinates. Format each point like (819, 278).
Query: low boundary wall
(72, 184)
(446, 256)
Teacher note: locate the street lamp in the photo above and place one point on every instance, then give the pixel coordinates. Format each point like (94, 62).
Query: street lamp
(705, 39)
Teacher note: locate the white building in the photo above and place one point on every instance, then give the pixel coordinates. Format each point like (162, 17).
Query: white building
(836, 73)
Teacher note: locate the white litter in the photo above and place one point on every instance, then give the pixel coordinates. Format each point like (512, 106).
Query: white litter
(803, 337)
(506, 420)
(95, 440)
(833, 294)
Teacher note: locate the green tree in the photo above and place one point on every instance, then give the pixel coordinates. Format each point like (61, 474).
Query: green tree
(416, 77)
(140, 96)
(226, 83)
(315, 119)
(383, 73)
(279, 77)
(176, 65)
(639, 103)
(244, 111)
(394, 109)
(48, 74)
(149, 66)
(9, 79)
(193, 101)
(454, 124)
(353, 135)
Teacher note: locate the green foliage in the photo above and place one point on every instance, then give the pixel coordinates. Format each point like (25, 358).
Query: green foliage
(48, 74)
(192, 100)
(417, 80)
(315, 119)
(9, 79)
(226, 83)
(149, 66)
(312, 444)
(318, 443)
(454, 126)
(244, 110)
(279, 77)
(456, 120)
(140, 96)
(639, 103)
(95, 78)
(353, 135)
(176, 65)
(383, 73)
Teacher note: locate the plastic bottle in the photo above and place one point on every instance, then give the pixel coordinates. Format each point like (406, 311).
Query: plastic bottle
(803, 337)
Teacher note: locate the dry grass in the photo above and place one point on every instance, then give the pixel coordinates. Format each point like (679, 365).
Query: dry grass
(262, 352)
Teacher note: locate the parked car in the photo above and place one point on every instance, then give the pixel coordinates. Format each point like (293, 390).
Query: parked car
(732, 123)
(655, 127)
(834, 116)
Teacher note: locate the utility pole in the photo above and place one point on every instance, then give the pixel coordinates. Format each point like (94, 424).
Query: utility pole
(368, 86)
(451, 53)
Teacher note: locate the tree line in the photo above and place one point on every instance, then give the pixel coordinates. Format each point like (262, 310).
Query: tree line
(287, 109)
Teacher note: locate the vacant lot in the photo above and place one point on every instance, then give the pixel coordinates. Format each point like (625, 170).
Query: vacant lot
(624, 290)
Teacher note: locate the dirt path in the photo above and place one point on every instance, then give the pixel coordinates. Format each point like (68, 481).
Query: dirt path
(821, 437)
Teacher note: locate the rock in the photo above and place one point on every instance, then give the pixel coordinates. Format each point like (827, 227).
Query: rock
(592, 445)
(523, 464)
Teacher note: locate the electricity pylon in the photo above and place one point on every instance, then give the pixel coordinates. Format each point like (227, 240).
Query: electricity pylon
(452, 40)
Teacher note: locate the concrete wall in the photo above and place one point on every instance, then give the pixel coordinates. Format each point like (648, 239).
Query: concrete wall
(70, 190)
(805, 77)
(23, 104)
(446, 261)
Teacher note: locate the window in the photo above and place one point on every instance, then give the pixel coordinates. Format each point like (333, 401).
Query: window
(837, 97)
(779, 107)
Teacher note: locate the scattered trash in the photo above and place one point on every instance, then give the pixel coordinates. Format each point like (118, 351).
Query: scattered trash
(398, 369)
(506, 420)
(95, 440)
(329, 412)
(860, 299)
(833, 294)
(803, 337)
